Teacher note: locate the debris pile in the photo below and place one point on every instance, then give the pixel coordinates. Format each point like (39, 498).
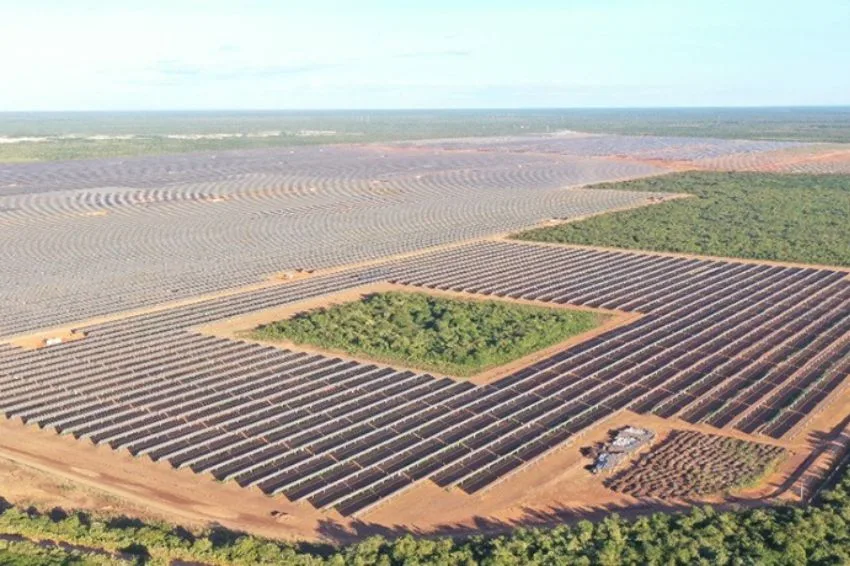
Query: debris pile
(626, 441)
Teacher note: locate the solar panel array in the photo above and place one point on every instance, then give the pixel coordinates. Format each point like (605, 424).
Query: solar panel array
(601, 145)
(87, 238)
(741, 345)
(755, 347)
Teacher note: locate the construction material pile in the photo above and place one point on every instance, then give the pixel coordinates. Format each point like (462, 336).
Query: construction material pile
(625, 442)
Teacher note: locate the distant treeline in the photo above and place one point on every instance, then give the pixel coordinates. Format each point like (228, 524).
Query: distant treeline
(76, 135)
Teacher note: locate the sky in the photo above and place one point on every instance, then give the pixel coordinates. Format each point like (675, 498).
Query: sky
(292, 54)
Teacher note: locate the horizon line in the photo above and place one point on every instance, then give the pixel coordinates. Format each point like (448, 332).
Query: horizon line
(437, 109)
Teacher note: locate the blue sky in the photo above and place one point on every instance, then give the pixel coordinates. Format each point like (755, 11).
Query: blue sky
(186, 54)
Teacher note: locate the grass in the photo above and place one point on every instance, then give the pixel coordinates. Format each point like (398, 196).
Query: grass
(444, 335)
(757, 477)
(791, 218)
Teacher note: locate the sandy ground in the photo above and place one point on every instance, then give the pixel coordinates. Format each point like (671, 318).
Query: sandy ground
(824, 158)
(41, 339)
(61, 471)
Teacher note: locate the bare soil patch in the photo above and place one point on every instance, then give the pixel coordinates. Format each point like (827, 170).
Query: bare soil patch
(48, 338)
(47, 470)
(690, 464)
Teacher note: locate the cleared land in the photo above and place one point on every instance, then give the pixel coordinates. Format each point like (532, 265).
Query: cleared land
(792, 218)
(690, 464)
(433, 333)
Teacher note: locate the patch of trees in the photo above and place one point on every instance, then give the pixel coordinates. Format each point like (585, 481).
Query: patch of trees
(779, 217)
(459, 337)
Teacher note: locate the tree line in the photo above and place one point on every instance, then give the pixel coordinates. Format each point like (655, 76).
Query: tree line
(778, 217)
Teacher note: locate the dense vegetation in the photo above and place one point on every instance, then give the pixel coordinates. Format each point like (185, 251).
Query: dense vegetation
(817, 534)
(458, 337)
(826, 124)
(28, 553)
(73, 135)
(796, 218)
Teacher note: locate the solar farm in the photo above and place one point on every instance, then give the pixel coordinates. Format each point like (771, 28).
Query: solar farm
(115, 269)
